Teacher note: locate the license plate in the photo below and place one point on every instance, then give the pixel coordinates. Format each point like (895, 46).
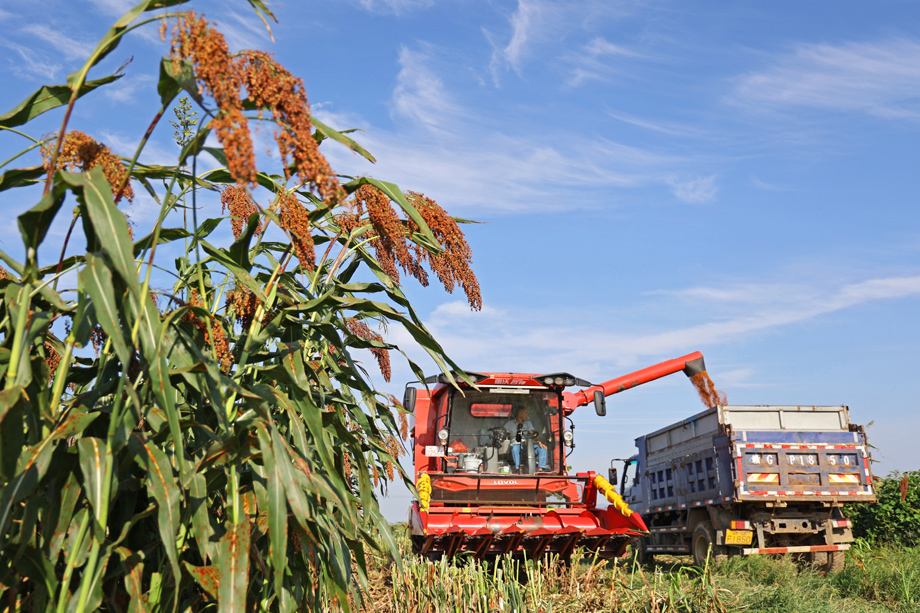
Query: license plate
(739, 537)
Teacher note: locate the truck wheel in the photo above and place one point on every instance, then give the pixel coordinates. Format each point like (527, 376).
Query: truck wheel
(828, 562)
(703, 538)
(832, 562)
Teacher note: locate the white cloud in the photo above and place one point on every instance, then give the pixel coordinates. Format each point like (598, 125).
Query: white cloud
(419, 95)
(591, 62)
(71, 48)
(470, 168)
(32, 65)
(395, 6)
(880, 79)
(125, 89)
(662, 127)
(701, 189)
(115, 8)
(536, 340)
(242, 31)
(527, 23)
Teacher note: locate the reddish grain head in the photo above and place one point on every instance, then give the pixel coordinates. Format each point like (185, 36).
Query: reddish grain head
(219, 76)
(360, 329)
(81, 152)
(236, 199)
(295, 218)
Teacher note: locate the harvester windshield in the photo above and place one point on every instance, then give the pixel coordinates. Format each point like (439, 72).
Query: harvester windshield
(505, 431)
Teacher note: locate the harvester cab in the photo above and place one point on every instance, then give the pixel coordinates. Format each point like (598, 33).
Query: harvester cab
(491, 472)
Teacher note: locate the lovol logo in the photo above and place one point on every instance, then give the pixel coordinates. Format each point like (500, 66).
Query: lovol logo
(505, 482)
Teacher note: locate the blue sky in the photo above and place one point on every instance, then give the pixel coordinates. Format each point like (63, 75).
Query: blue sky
(656, 178)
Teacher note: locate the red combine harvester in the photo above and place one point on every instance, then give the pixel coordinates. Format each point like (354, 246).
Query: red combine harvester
(490, 466)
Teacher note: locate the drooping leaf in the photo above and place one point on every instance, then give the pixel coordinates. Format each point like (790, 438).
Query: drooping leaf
(234, 568)
(162, 484)
(33, 564)
(96, 279)
(337, 136)
(94, 458)
(20, 177)
(108, 221)
(239, 250)
(208, 577)
(201, 525)
(68, 500)
(34, 223)
(46, 98)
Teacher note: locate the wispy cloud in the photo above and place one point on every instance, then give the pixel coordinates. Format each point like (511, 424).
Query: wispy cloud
(113, 7)
(419, 95)
(32, 64)
(526, 23)
(471, 168)
(698, 190)
(878, 78)
(71, 48)
(125, 90)
(537, 340)
(397, 7)
(669, 128)
(592, 62)
(242, 31)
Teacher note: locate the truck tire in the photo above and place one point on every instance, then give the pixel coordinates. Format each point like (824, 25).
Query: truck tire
(640, 551)
(828, 562)
(704, 537)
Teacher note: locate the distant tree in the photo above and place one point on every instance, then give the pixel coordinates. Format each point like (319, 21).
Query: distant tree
(220, 443)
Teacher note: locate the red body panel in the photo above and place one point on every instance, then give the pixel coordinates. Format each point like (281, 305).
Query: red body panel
(534, 530)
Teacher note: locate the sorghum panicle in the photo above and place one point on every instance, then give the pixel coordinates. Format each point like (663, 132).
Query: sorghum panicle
(360, 329)
(236, 199)
(295, 218)
(79, 151)
(218, 75)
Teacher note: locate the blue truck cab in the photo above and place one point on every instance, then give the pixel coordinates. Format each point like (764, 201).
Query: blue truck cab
(749, 480)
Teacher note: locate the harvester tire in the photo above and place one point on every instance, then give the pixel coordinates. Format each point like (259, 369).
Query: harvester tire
(704, 537)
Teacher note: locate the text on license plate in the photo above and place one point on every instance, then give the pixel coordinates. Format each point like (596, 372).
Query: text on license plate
(739, 537)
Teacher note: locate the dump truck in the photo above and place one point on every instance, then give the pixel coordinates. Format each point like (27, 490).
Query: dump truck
(749, 480)
(490, 464)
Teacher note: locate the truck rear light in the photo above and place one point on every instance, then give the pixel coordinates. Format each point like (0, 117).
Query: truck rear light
(741, 525)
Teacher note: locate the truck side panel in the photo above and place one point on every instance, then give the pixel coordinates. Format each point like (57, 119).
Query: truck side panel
(768, 488)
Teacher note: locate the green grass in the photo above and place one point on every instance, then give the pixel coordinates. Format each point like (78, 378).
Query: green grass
(875, 579)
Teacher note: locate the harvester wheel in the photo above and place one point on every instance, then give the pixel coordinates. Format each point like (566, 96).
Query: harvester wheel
(703, 538)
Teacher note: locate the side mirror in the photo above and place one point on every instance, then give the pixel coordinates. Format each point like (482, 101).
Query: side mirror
(409, 400)
(612, 476)
(600, 403)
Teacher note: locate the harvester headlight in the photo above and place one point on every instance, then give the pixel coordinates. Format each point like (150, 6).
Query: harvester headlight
(569, 381)
(559, 381)
(442, 434)
(548, 381)
(568, 436)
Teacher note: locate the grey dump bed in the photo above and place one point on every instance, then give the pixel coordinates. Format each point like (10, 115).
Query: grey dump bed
(734, 453)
